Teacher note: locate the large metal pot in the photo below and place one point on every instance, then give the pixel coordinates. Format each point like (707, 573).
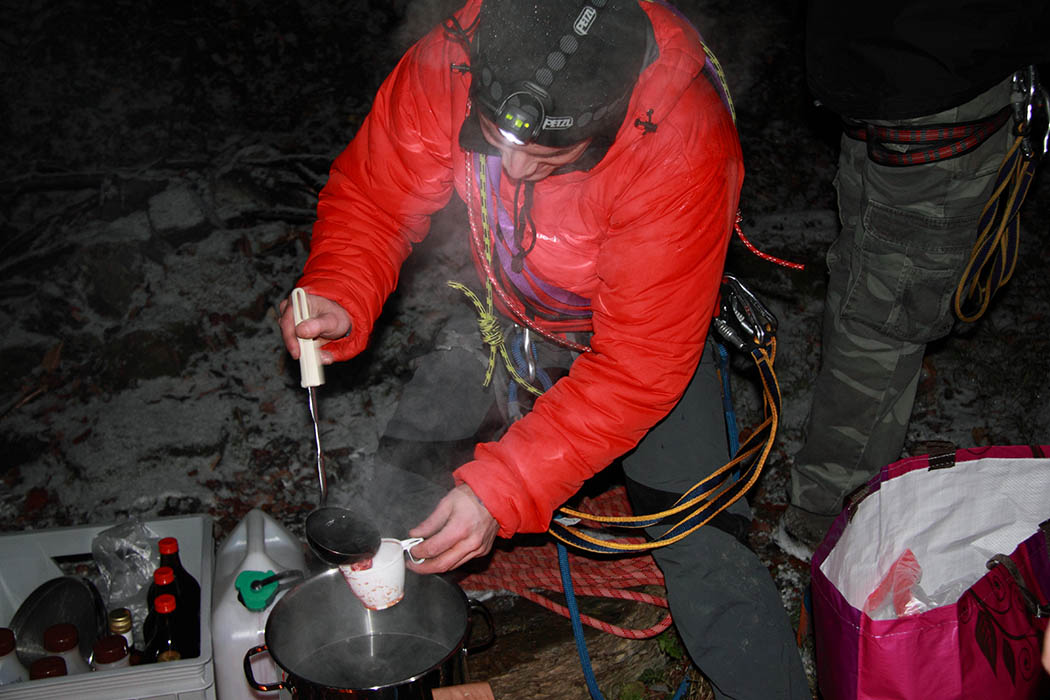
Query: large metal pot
(330, 646)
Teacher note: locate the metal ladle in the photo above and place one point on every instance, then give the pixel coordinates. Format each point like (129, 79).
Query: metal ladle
(336, 535)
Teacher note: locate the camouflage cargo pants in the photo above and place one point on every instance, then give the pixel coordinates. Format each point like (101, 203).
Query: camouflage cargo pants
(905, 239)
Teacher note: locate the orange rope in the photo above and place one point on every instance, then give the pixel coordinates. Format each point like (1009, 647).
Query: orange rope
(532, 572)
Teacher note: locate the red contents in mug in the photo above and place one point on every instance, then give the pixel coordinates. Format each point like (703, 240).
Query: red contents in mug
(363, 565)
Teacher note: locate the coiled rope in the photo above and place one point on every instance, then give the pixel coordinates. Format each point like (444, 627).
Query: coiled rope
(994, 256)
(532, 573)
(706, 499)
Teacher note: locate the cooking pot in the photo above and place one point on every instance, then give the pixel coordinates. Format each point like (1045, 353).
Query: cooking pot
(331, 646)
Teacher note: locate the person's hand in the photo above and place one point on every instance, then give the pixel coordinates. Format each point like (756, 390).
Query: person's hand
(1046, 650)
(327, 321)
(459, 529)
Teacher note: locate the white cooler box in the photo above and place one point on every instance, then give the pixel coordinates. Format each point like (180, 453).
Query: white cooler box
(26, 562)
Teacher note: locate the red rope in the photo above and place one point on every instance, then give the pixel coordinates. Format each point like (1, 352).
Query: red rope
(765, 256)
(530, 571)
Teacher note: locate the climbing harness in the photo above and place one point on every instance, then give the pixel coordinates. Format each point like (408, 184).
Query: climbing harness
(994, 256)
(742, 318)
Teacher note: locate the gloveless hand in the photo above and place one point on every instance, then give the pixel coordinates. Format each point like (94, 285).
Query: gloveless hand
(327, 321)
(459, 529)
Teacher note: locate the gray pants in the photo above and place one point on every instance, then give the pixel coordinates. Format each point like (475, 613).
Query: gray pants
(906, 236)
(722, 599)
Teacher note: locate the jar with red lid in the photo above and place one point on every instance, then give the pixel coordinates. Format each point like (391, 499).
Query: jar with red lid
(47, 667)
(110, 651)
(63, 640)
(11, 669)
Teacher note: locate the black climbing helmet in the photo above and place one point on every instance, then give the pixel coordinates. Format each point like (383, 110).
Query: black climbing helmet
(555, 72)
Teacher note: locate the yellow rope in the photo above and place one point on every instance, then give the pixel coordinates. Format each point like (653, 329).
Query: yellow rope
(983, 292)
(488, 321)
(721, 78)
(695, 506)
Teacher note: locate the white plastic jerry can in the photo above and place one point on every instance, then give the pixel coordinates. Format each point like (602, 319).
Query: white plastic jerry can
(257, 544)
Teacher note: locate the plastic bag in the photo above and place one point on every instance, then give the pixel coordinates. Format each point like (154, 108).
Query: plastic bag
(899, 593)
(126, 556)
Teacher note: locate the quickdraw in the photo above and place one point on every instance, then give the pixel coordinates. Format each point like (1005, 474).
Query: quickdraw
(743, 321)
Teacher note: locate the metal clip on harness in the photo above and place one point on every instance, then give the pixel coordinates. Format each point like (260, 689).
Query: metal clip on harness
(1031, 104)
(743, 321)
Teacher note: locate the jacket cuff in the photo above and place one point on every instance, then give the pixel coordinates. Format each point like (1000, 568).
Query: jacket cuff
(473, 474)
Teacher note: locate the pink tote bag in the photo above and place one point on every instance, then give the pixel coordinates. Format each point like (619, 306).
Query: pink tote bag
(934, 582)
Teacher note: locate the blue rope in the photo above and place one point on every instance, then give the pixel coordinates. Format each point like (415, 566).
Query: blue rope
(577, 626)
(727, 400)
(577, 630)
(733, 435)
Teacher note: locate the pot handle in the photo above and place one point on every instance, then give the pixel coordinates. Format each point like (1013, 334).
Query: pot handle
(250, 677)
(479, 607)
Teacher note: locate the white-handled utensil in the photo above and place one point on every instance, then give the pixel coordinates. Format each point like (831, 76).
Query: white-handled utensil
(311, 373)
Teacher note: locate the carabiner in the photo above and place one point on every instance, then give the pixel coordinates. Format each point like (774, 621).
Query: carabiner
(530, 356)
(1029, 95)
(743, 320)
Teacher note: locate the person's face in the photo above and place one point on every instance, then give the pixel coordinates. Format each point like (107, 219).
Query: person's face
(530, 162)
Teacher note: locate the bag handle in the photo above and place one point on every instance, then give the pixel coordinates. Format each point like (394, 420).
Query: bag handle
(1035, 609)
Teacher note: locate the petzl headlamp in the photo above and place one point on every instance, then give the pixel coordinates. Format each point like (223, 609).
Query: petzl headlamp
(521, 115)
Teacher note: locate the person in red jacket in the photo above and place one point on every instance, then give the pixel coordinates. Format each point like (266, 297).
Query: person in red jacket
(599, 163)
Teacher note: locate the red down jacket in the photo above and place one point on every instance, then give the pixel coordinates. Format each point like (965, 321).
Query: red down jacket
(642, 235)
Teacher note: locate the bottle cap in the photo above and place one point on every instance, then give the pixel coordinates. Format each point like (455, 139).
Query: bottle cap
(61, 637)
(255, 600)
(165, 603)
(163, 576)
(7, 641)
(119, 620)
(168, 545)
(110, 648)
(47, 667)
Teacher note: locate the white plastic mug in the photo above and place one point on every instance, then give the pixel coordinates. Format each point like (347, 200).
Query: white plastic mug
(382, 584)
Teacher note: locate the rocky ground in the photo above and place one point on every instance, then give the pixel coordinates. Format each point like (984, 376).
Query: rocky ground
(160, 169)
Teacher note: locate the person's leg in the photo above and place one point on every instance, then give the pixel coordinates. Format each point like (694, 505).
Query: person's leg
(906, 236)
(722, 599)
